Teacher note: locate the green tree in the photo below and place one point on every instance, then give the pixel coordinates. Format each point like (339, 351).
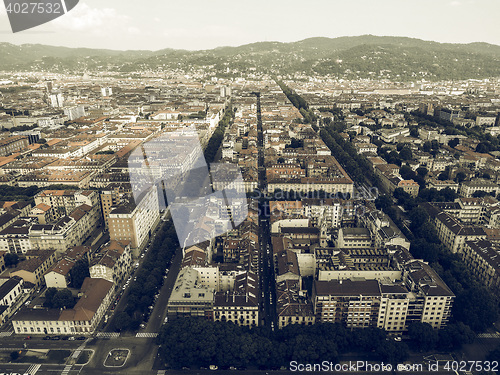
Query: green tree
(427, 146)
(453, 142)
(406, 172)
(422, 171)
(14, 355)
(477, 307)
(454, 335)
(63, 299)
(405, 153)
(482, 148)
(11, 259)
(418, 217)
(78, 273)
(423, 336)
(122, 321)
(49, 295)
(383, 202)
(460, 176)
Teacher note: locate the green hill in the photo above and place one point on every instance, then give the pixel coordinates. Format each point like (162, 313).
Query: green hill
(365, 56)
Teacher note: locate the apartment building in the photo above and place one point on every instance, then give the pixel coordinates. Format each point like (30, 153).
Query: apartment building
(354, 237)
(13, 144)
(482, 258)
(34, 267)
(135, 221)
(82, 319)
(69, 231)
(421, 296)
(10, 293)
(111, 196)
(468, 188)
(15, 238)
(409, 186)
(189, 297)
(241, 305)
(354, 303)
(58, 276)
(452, 233)
(63, 202)
(292, 304)
(113, 262)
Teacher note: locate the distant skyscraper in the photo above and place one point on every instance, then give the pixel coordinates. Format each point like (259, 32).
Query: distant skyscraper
(106, 91)
(225, 91)
(74, 112)
(56, 100)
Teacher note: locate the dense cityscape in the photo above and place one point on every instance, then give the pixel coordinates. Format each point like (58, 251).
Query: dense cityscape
(360, 221)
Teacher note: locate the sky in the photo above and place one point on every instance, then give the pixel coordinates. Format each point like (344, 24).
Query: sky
(206, 24)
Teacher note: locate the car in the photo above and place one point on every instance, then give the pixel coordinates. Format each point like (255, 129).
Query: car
(81, 338)
(232, 368)
(27, 338)
(165, 320)
(185, 368)
(142, 325)
(71, 338)
(46, 338)
(397, 338)
(213, 367)
(65, 338)
(55, 338)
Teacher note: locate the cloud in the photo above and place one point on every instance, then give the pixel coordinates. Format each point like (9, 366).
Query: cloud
(83, 18)
(455, 3)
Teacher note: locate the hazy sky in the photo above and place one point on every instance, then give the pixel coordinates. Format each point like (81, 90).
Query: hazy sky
(202, 24)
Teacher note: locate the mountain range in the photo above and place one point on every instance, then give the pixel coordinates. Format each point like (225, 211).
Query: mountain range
(365, 56)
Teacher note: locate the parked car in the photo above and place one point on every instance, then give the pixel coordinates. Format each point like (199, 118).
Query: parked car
(46, 338)
(81, 338)
(55, 338)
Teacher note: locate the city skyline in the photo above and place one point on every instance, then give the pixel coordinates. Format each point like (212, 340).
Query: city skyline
(194, 26)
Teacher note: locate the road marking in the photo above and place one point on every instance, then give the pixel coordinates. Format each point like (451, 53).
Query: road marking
(161, 372)
(108, 335)
(6, 334)
(66, 370)
(489, 335)
(146, 334)
(32, 370)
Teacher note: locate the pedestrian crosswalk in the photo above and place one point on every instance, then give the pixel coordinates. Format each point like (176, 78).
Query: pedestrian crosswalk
(161, 372)
(66, 370)
(146, 334)
(489, 335)
(108, 335)
(32, 370)
(6, 334)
